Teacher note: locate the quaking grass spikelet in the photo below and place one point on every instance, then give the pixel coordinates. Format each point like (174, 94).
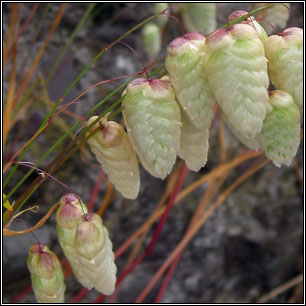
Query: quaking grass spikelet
(250, 21)
(46, 274)
(185, 64)
(95, 253)
(152, 117)
(285, 57)
(67, 216)
(115, 153)
(237, 72)
(280, 134)
(151, 39)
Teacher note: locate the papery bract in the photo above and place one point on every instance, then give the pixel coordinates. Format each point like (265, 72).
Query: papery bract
(114, 151)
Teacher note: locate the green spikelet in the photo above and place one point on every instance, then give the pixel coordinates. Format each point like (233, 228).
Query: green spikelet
(67, 216)
(185, 64)
(95, 253)
(46, 274)
(152, 117)
(280, 134)
(237, 72)
(193, 145)
(158, 8)
(276, 16)
(285, 55)
(199, 17)
(115, 153)
(151, 39)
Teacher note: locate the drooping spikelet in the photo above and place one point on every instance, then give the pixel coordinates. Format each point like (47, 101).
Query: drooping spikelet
(199, 17)
(152, 117)
(276, 16)
(285, 57)
(185, 64)
(151, 39)
(46, 274)
(193, 145)
(67, 216)
(115, 153)
(280, 134)
(95, 253)
(237, 72)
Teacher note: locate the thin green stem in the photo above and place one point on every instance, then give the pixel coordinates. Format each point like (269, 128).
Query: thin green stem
(90, 112)
(70, 40)
(61, 158)
(69, 89)
(244, 17)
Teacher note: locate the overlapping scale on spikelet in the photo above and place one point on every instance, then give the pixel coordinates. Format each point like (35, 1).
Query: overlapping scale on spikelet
(95, 253)
(116, 154)
(46, 275)
(285, 55)
(251, 143)
(152, 117)
(238, 76)
(185, 65)
(276, 16)
(193, 145)
(67, 216)
(199, 17)
(280, 134)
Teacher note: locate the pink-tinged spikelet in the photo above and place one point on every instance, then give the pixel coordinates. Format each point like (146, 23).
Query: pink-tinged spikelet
(46, 274)
(114, 151)
(152, 117)
(193, 145)
(95, 253)
(285, 57)
(238, 76)
(185, 64)
(280, 134)
(67, 216)
(250, 21)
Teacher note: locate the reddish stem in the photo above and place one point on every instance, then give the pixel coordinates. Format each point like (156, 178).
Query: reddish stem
(165, 215)
(30, 16)
(177, 20)
(21, 295)
(80, 295)
(95, 191)
(167, 279)
(138, 57)
(156, 234)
